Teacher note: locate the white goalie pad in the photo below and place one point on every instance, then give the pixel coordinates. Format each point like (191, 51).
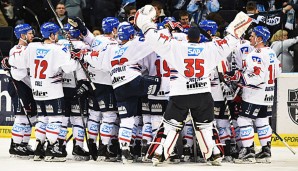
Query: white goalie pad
(204, 136)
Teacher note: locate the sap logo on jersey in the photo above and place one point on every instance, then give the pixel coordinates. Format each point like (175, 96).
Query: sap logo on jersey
(263, 132)
(120, 52)
(192, 51)
(96, 43)
(41, 53)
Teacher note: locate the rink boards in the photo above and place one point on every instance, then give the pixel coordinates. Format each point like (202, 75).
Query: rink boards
(285, 119)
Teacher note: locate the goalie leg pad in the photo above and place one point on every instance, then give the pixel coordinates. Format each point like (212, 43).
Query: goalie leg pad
(204, 136)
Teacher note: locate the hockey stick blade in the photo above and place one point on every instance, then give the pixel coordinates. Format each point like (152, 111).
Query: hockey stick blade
(31, 12)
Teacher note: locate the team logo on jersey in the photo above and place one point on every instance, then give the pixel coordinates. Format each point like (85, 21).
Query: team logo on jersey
(41, 53)
(120, 52)
(271, 55)
(194, 51)
(256, 59)
(293, 104)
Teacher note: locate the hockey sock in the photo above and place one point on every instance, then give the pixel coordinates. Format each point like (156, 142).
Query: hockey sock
(93, 124)
(187, 134)
(246, 131)
(63, 129)
(40, 128)
(27, 133)
(53, 128)
(156, 121)
(264, 130)
(107, 126)
(224, 131)
(147, 129)
(78, 130)
(125, 131)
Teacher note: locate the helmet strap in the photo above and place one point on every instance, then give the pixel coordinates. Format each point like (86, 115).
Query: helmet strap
(24, 40)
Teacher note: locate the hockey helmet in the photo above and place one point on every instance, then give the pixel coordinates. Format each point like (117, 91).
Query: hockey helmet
(48, 28)
(109, 23)
(74, 33)
(125, 31)
(22, 29)
(209, 25)
(263, 32)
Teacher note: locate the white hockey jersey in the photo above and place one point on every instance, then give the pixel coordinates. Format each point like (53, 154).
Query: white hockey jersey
(158, 66)
(47, 63)
(239, 54)
(98, 43)
(121, 60)
(17, 73)
(190, 63)
(262, 68)
(69, 79)
(217, 86)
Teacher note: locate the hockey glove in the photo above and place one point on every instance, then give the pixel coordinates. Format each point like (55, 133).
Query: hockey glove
(82, 90)
(77, 23)
(5, 65)
(144, 18)
(77, 54)
(239, 25)
(174, 26)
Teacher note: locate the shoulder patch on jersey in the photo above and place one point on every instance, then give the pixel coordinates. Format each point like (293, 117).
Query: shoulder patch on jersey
(96, 43)
(120, 52)
(272, 56)
(256, 59)
(41, 53)
(244, 50)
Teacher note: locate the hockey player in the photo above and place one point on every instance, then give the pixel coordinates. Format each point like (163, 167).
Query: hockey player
(128, 84)
(258, 79)
(73, 108)
(46, 61)
(102, 103)
(21, 129)
(222, 94)
(191, 65)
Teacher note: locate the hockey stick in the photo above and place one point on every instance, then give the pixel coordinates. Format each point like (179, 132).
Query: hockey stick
(69, 138)
(17, 92)
(283, 141)
(63, 31)
(31, 12)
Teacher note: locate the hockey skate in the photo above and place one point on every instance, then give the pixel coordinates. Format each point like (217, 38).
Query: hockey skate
(92, 149)
(144, 150)
(136, 150)
(54, 153)
(79, 153)
(102, 152)
(216, 160)
(39, 152)
(29, 149)
(18, 150)
(227, 149)
(126, 155)
(186, 154)
(113, 151)
(174, 157)
(264, 156)
(246, 156)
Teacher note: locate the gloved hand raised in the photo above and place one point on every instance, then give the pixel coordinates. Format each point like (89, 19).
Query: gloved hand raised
(77, 23)
(144, 18)
(83, 89)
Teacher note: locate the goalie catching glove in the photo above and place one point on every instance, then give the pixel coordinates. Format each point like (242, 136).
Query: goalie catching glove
(239, 25)
(145, 17)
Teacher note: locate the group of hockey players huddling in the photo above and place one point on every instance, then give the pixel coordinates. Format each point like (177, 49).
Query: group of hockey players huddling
(148, 88)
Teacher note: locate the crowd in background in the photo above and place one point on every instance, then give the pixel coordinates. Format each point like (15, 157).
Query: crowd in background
(12, 12)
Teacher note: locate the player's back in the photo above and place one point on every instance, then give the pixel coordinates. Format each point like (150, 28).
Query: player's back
(46, 62)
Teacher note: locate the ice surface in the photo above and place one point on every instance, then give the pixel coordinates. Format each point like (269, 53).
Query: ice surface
(282, 160)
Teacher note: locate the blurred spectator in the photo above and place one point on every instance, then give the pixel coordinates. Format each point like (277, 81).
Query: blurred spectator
(74, 7)
(96, 31)
(280, 44)
(159, 7)
(184, 19)
(130, 12)
(62, 14)
(3, 22)
(220, 21)
(175, 5)
(103, 9)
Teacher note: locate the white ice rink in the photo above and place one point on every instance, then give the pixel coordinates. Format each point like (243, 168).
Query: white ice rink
(282, 160)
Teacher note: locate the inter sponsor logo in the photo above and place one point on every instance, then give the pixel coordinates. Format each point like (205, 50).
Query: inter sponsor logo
(39, 93)
(269, 98)
(118, 79)
(195, 85)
